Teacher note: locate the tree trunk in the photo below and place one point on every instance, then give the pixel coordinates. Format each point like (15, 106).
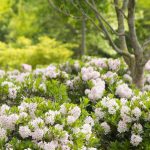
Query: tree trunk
(83, 41)
(137, 74)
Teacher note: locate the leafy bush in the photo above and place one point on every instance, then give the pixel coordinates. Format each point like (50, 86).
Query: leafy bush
(15, 86)
(45, 51)
(89, 104)
(50, 125)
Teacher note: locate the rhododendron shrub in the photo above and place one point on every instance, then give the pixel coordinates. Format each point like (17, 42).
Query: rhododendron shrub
(122, 120)
(46, 125)
(87, 104)
(15, 85)
(100, 77)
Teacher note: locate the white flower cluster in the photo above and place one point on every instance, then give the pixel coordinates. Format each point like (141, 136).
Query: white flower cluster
(135, 140)
(12, 93)
(24, 131)
(110, 77)
(89, 73)
(98, 62)
(106, 127)
(50, 117)
(114, 64)
(103, 63)
(99, 113)
(111, 105)
(26, 68)
(21, 77)
(51, 71)
(74, 114)
(69, 83)
(122, 126)
(8, 122)
(77, 65)
(137, 128)
(97, 91)
(12, 89)
(86, 129)
(127, 117)
(136, 112)
(89, 120)
(123, 91)
(125, 112)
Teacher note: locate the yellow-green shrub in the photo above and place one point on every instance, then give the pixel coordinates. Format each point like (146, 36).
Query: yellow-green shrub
(44, 52)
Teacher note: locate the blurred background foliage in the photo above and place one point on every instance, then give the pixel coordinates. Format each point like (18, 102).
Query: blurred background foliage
(44, 52)
(34, 32)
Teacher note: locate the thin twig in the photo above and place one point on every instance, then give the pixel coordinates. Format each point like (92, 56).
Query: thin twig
(108, 24)
(147, 42)
(63, 12)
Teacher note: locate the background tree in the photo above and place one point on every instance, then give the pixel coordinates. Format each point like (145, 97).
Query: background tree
(82, 24)
(33, 19)
(136, 55)
(37, 18)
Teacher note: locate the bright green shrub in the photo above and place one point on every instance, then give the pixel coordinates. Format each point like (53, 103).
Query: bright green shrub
(12, 57)
(49, 50)
(44, 52)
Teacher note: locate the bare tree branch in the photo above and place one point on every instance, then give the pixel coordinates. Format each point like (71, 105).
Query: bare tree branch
(146, 43)
(121, 10)
(121, 28)
(93, 21)
(63, 12)
(105, 31)
(106, 22)
(86, 15)
(132, 31)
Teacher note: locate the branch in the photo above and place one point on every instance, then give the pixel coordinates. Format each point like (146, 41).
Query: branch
(146, 43)
(125, 5)
(121, 10)
(82, 11)
(132, 31)
(105, 31)
(107, 23)
(93, 22)
(64, 13)
(120, 19)
(86, 15)
(146, 56)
